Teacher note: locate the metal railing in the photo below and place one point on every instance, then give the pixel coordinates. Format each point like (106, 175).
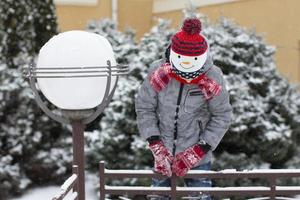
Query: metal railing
(272, 191)
(69, 186)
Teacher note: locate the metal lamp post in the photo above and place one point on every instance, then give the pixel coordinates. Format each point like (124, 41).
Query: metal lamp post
(68, 65)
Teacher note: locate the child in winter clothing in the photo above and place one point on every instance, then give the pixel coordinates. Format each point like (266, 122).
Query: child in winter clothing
(183, 108)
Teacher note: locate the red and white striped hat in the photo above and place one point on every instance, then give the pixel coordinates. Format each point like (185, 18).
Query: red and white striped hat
(189, 41)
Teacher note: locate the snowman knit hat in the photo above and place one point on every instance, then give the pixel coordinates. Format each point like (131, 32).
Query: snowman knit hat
(189, 41)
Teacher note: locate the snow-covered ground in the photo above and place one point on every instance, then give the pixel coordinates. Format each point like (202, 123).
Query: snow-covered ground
(47, 193)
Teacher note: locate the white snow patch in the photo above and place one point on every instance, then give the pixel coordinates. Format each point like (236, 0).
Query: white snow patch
(50, 191)
(69, 182)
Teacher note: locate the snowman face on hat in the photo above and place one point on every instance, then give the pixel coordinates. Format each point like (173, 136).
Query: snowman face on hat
(187, 64)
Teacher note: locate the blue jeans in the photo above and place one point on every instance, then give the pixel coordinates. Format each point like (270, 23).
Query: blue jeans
(197, 182)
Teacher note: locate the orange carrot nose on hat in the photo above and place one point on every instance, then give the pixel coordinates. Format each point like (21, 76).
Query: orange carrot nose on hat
(188, 41)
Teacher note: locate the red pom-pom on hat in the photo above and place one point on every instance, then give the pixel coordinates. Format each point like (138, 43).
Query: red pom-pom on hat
(192, 26)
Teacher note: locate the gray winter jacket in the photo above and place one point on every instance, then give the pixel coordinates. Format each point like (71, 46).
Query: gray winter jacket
(197, 117)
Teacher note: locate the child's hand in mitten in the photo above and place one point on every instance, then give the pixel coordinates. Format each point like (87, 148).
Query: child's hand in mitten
(187, 159)
(162, 158)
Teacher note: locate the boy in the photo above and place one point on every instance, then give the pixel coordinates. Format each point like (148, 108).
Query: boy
(183, 108)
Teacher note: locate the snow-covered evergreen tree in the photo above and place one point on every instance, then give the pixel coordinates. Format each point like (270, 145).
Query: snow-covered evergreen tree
(33, 148)
(25, 26)
(16, 30)
(44, 21)
(123, 44)
(266, 106)
(111, 139)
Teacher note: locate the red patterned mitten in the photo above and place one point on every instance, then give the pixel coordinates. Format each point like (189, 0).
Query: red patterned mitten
(187, 159)
(162, 158)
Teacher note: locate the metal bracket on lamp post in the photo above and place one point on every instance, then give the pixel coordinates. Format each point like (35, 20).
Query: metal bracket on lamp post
(41, 103)
(33, 73)
(107, 97)
(77, 118)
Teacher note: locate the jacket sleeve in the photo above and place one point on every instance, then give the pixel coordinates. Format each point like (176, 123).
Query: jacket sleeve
(221, 113)
(145, 108)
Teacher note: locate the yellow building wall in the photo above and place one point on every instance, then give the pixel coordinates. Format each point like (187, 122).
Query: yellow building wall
(136, 14)
(76, 17)
(277, 20)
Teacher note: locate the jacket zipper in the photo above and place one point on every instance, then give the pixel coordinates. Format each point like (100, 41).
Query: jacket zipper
(200, 127)
(176, 117)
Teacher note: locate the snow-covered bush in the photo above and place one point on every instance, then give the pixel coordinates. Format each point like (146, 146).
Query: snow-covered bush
(33, 148)
(266, 106)
(116, 134)
(25, 26)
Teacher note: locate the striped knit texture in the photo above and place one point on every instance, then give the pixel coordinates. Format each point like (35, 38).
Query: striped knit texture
(188, 41)
(161, 77)
(209, 87)
(187, 45)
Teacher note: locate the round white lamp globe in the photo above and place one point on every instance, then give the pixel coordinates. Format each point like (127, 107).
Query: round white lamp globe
(75, 49)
